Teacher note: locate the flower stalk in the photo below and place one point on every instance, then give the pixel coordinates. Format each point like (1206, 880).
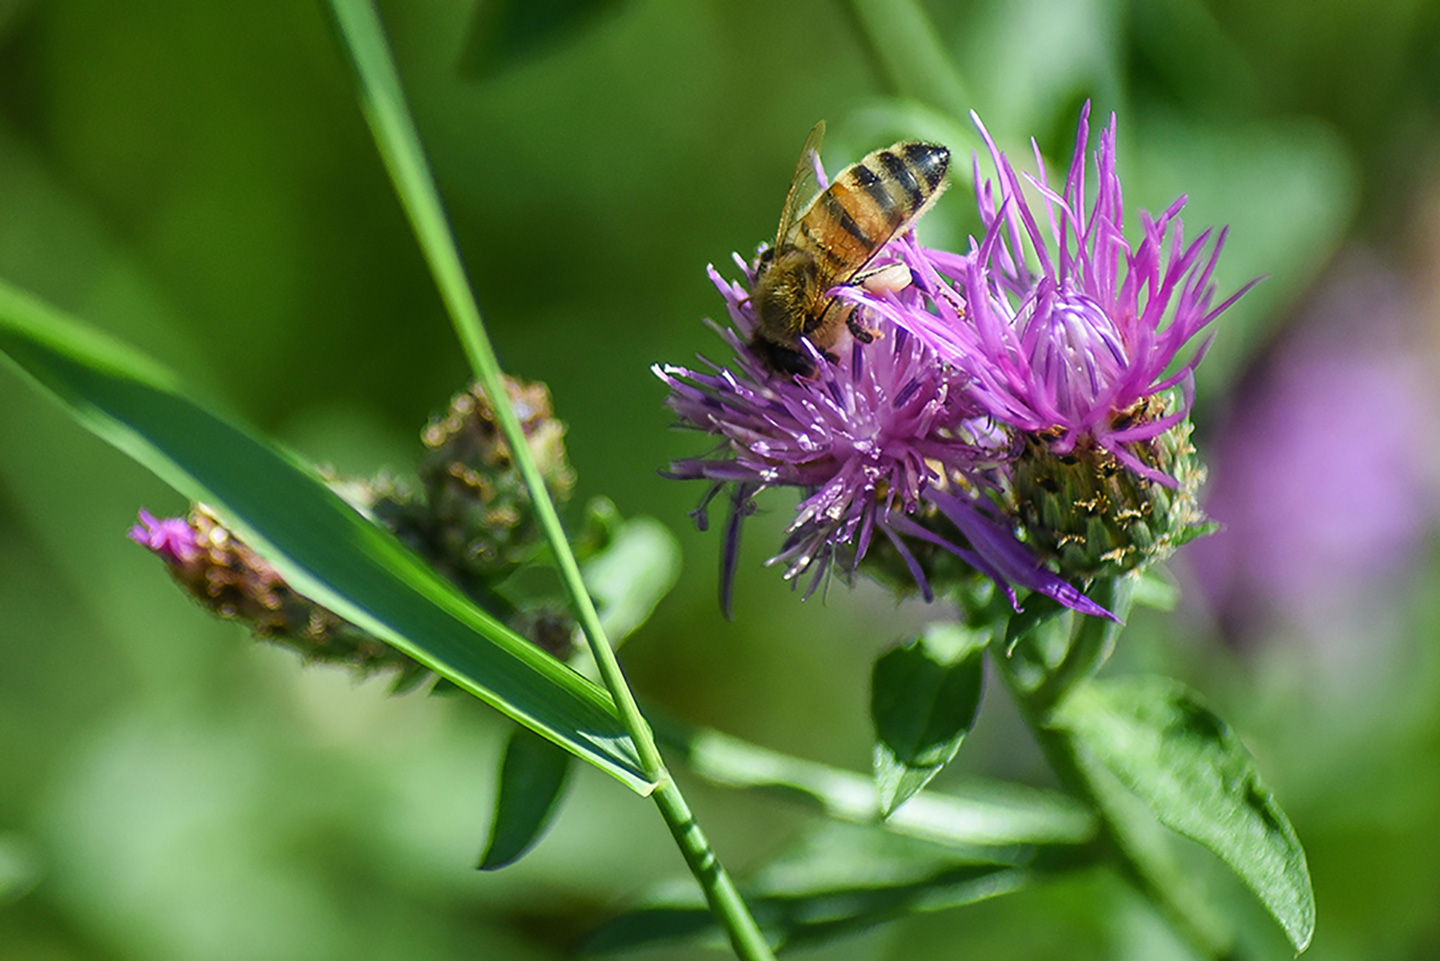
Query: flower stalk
(1092, 641)
(399, 144)
(1142, 861)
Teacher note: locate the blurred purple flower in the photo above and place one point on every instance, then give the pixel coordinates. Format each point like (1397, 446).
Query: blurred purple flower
(866, 440)
(172, 539)
(1077, 347)
(1325, 476)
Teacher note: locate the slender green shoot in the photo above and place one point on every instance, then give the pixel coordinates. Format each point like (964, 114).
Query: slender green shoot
(399, 144)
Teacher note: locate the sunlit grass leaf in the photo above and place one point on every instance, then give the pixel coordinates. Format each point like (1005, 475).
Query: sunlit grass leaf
(533, 776)
(840, 880)
(924, 697)
(1200, 781)
(978, 814)
(506, 33)
(320, 545)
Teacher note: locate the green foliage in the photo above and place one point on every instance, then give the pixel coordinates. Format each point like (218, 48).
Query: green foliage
(838, 880)
(533, 775)
(924, 697)
(981, 815)
(318, 543)
(632, 565)
(1199, 780)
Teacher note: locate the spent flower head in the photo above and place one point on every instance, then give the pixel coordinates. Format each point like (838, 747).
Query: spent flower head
(216, 568)
(468, 513)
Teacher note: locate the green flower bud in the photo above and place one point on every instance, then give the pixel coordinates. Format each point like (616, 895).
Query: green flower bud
(1094, 516)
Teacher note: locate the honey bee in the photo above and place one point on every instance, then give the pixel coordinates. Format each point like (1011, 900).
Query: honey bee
(827, 242)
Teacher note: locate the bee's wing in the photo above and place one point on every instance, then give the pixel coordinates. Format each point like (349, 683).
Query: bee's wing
(804, 185)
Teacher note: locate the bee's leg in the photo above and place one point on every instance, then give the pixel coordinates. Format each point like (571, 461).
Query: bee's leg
(851, 314)
(866, 335)
(890, 279)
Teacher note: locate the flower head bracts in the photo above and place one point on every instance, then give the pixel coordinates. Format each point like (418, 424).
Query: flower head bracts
(1077, 346)
(876, 432)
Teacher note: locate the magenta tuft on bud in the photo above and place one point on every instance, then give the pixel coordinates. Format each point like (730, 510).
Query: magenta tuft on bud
(171, 538)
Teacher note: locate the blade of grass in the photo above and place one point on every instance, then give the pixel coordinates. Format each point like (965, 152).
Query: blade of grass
(399, 144)
(319, 544)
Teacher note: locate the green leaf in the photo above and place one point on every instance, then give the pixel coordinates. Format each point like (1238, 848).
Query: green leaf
(533, 775)
(1197, 778)
(841, 879)
(1038, 611)
(1156, 588)
(321, 546)
(506, 33)
(924, 697)
(634, 571)
(975, 815)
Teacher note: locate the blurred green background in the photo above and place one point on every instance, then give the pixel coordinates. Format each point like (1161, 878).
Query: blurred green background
(197, 178)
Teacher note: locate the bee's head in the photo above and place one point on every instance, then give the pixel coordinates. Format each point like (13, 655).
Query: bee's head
(764, 259)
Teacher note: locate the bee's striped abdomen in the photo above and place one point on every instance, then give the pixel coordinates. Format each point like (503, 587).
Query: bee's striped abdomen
(869, 203)
(909, 173)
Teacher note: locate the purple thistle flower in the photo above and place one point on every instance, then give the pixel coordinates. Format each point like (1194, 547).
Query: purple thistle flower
(172, 539)
(867, 440)
(1077, 348)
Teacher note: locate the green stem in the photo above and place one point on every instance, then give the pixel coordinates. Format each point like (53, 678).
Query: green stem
(399, 143)
(720, 891)
(907, 49)
(1142, 860)
(1091, 644)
